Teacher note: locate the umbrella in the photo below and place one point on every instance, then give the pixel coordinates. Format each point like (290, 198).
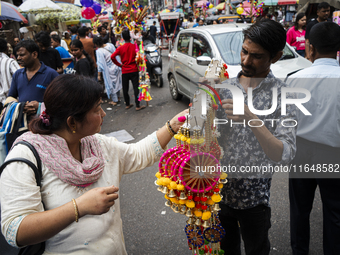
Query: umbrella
(39, 6)
(10, 12)
(220, 6)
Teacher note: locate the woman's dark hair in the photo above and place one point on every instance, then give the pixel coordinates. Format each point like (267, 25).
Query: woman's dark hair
(29, 45)
(56, 38)
(78, 44)
(269, 34)
(298, 17)
(97, 40)
(3, 45)
(325, 37)
(67, 95)
(74, 30)
(126, 35)
(43, 38)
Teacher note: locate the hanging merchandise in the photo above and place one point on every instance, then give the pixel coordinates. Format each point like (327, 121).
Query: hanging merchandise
(96, 7)
(144, 78)
(86, 3)
(190, 174)
(88, 13)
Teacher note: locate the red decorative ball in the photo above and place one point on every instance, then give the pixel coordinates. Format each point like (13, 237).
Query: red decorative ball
(225, 65)
(216, 190)
(198, 206)
(196, 199)
(210, 194)
(204, 207)
(204, 199)
(189, 197)
(88, 13)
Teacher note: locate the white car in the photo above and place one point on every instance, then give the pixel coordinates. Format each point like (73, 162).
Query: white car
(194, 48)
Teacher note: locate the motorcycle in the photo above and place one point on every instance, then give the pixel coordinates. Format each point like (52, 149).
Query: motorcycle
(153, 63)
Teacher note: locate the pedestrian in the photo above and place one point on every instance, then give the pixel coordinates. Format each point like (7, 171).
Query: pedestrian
(318, 143)
(55, 42)
(84, 64)
(153, 30)
(87, 43)
(74, 32)
(279, 14)
(108, 72)
(127, 53)
(75, 211)
(245, 209)
(296, 34)
(62, 42)
(215, 22)
(146, 36)
(103, 34)
(191, 23)
(8, 67)
(67, 39)
(89, 32)
(323, 12)
(48, 55)
(29, 83)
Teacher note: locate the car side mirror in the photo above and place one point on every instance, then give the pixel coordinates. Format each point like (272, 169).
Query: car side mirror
(203, 60)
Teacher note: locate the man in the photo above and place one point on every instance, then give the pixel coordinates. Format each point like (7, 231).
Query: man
(74, 32)
(29, 83)
(47, 55)
(87, 43)
(55, 42)
(153, 30)
(318, 143)
(62, 42)
(103, 34)
(127, 53)
(191, 23)
(8, 67)
(279, 14)
(199, 21)
(323, 12)
(148, 37)
(245, 208)
(16, 41)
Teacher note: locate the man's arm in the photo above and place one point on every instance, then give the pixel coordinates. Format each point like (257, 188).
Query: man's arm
(113, 57)
(60, 64)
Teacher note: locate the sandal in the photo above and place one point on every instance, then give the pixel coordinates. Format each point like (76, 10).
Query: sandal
(129, 106)
(140, 108)
(113, 103)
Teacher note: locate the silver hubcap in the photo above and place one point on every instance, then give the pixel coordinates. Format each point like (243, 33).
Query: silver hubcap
(172, 86)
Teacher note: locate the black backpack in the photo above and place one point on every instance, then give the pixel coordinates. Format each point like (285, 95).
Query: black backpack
(36, 249)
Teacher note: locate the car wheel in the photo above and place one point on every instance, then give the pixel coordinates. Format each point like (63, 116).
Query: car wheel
(173, 88)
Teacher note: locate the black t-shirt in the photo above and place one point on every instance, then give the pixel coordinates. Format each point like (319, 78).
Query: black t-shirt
(83, 67)
(51, 58)
(153, 31)
(309, 26)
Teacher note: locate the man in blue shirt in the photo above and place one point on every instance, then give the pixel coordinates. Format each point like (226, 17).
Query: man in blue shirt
(317, 157)
(55, 42)
(29, 83)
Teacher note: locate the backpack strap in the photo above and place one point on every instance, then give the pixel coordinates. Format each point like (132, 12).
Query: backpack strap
(37, 169)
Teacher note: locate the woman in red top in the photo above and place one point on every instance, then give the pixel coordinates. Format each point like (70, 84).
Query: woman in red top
(127, 53)
(296, 34)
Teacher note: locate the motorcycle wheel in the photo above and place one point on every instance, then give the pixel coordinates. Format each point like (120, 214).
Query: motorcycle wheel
(159, 81)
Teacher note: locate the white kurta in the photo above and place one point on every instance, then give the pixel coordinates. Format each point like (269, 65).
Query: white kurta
(93, 234)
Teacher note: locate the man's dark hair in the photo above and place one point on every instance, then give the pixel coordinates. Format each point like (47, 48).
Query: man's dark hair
(323, 5)
(198, 19)
(105, 24)
(100, 28)
(29, 45)
(126, 35)
(56, 38)
(82, 31)
(43, 38)
(154, 22)
(190, 19)
(74, 30)
(270, 35)
(97, 40)
(3, 45)
(325, 37)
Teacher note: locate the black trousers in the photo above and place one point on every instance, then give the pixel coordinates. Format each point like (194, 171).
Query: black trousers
(301, 196)
(134, 77)
(253, 224)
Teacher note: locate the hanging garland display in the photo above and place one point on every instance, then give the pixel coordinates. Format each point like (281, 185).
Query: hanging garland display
(144, 79)
(189, 174)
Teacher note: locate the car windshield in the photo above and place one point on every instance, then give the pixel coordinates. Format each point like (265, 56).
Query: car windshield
(230, 45)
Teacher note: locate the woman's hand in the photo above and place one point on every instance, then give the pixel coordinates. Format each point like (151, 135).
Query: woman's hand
(97, 201)
(175, 123)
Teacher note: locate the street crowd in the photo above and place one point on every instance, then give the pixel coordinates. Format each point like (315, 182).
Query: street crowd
(74, 210)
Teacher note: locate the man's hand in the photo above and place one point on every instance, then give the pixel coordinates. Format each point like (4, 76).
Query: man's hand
(60, 70)
(227, 104)
(31, 107)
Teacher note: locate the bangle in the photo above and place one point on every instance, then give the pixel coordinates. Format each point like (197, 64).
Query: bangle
(171, 128)
(75, 209)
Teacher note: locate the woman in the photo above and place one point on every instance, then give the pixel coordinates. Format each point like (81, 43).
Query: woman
(111, 73)
(84, 63)
(81, 174)
(296, 34)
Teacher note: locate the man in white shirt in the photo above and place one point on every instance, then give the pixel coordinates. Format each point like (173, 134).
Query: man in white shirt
(8, 67)
(317, 159)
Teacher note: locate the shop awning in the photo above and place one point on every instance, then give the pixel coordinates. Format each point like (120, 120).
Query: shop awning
(270, 2)
(287, 2)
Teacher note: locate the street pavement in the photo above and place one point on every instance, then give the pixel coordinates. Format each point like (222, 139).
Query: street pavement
(151, 228)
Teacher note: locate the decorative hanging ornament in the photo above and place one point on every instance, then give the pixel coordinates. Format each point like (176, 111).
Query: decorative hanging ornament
(88, 13)
(211, 6)
(96, 7)
(108, 1)
(0, 25)
(86, 3)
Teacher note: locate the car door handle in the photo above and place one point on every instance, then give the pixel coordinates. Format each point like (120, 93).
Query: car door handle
(190, 63)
